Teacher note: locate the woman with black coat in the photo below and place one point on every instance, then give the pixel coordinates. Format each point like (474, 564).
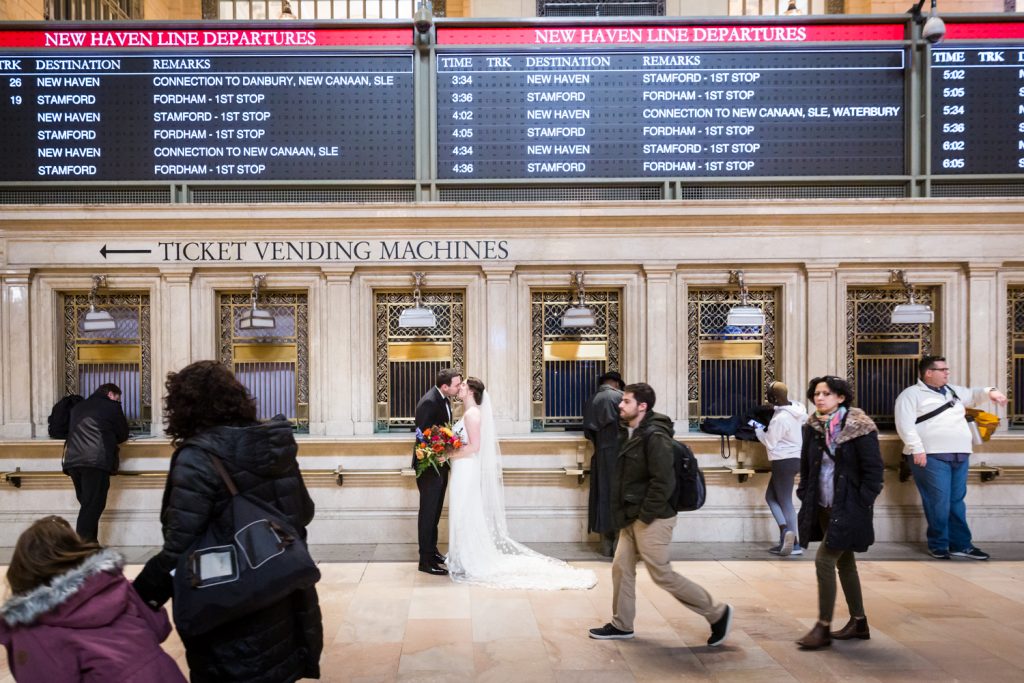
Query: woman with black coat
(840, 477)
(209, 411)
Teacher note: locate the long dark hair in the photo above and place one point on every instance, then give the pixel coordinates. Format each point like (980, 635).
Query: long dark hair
(202, 395)
(48, 548)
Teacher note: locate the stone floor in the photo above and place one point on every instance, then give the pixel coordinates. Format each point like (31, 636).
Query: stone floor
(957, 620)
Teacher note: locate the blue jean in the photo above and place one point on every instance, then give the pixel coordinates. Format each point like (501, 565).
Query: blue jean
(943, 486)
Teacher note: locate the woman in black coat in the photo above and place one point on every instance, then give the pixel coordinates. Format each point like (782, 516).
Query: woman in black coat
(208, 410)
(840, 477)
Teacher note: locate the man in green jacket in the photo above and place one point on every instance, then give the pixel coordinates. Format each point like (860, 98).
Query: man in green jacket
(642, 510)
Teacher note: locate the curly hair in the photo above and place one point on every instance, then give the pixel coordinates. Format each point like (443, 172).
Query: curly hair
(202, 395)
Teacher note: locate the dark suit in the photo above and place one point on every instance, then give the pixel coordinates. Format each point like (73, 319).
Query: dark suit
(433, 409)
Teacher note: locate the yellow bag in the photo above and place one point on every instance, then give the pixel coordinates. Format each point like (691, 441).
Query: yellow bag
(985, 422)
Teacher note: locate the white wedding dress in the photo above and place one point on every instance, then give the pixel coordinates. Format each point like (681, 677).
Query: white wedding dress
(480, 550)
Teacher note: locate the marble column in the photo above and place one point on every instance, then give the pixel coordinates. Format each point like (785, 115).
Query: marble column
(662, 368)
(500, 350)
(15, 355)
(175, 334)
(983, 324)
(336, 373)
(823, 324)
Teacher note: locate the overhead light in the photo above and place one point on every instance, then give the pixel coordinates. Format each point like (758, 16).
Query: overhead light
(286, 10)
(792, 9)
(911, 313)
(743, 315)
(417, 315)
(96, 321)
(578, 315)
(254, 318)
(423, 20)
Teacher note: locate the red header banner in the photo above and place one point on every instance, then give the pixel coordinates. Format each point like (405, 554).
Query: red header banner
(143, 39)
(656, 35)
(984, 31)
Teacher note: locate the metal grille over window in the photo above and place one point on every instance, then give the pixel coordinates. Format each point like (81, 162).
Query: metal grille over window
(881, 356)
(118, 353)
(729, 365)
(1015, 356)
(407, 359)
(92, 10)
(324, 9)
(272, 362)
(566, 361)
(601, 8)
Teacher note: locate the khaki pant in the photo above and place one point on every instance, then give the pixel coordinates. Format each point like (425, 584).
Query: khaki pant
(649, 542)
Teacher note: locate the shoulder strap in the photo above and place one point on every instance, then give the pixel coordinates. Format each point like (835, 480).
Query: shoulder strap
(941, 409)
(222, 471)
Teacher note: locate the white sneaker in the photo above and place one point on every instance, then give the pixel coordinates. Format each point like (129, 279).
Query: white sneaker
(787, 544)
(797, 550)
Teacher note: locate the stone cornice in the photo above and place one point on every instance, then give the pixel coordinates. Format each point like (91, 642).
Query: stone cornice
(925, 216)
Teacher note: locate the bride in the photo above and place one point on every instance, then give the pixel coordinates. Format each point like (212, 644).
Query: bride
(480, 550)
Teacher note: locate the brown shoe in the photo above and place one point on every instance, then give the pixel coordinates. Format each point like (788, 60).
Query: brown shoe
(857, 627)
(817, 637)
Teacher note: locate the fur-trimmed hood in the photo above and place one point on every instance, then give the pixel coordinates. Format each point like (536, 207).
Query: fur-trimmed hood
(857, 424)
(72, 594)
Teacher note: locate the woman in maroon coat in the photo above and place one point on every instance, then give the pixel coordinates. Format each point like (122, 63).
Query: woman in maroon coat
(74, 617)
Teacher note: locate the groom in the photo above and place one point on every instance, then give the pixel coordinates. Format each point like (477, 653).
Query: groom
(433, 409)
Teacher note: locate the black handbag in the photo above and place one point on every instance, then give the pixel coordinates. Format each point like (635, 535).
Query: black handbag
(248, 558)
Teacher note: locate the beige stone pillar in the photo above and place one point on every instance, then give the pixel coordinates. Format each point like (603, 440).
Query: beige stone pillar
(662, 367)
(500, 358)
(983, 322)
(174, 338)
(336, 342)
(824, 328)
(15, 355)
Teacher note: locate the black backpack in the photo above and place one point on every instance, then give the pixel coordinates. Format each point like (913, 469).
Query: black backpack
(59, 422)
(690, 488)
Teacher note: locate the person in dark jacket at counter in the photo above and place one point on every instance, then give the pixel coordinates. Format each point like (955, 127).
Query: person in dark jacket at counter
(601, 427)
(840, 478)
(96, 428)
(208, 411)
(645, 479)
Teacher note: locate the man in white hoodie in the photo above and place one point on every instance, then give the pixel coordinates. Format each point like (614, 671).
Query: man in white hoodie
(930, 420)
(783, 439)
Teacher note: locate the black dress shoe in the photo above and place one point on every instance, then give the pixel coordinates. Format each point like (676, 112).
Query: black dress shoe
(438, 558)
(428, 568)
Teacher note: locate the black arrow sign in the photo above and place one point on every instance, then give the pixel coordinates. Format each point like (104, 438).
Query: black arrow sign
(106, 251)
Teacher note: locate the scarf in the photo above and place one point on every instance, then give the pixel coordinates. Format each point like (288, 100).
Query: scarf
(833, 425)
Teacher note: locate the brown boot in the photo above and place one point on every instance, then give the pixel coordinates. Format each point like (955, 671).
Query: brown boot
(857, 627)
(816, 638)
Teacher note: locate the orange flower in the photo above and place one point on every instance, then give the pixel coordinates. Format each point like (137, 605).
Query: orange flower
(456, 444)
(419, 455)
(438, 447)
(426, 432)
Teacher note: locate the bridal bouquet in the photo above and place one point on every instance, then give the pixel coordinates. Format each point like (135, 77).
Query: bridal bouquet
(432, 447)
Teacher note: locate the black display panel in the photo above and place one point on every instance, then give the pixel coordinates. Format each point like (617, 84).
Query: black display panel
(206, 116)
(977, 100)
(580, 113)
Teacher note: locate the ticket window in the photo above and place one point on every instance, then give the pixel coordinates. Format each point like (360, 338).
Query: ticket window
(407, 359)
(566, 362)
(116, 351)
(271, 362)
(882, 356)
(1015, 315)
(729, 365)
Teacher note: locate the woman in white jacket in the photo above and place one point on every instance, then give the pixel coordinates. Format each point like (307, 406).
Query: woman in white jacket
(783, 439)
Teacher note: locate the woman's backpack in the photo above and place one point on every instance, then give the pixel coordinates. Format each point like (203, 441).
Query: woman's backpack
(249, 557)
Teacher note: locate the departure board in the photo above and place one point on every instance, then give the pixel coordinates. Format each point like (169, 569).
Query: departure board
(691, 112)
(977, 102)
(206, 114)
